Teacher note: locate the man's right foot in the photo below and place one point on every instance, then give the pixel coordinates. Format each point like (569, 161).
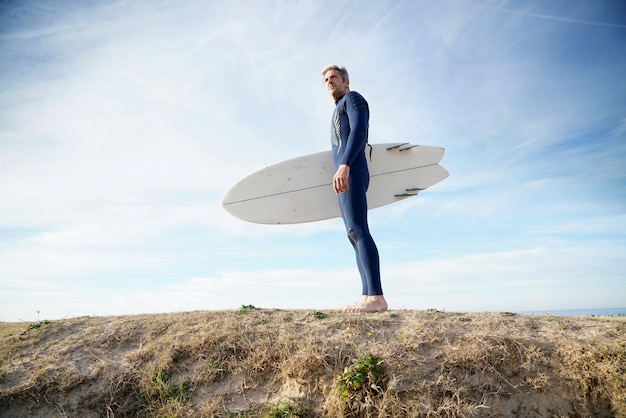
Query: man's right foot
(356, 305)
(368, 304)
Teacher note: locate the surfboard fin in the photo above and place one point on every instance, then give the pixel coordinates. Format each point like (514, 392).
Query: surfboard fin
(395, 146)
(402, 146)
(410, 192)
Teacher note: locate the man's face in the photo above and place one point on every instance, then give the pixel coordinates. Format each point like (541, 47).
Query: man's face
(335, 85)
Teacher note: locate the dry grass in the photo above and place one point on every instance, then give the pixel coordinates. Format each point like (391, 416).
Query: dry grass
(271, 363)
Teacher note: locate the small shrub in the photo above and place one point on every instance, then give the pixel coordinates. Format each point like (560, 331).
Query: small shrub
(319, 315)
(164, 390)
(245, 309)
(38, 324)
(283, 410)
(364, 374)
(271, 410)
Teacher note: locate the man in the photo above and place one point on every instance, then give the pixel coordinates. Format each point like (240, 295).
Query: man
(349, 132)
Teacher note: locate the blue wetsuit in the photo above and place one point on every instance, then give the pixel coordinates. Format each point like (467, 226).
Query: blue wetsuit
(349, 131)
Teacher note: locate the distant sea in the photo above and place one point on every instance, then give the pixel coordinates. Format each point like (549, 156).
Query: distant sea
(580, 312)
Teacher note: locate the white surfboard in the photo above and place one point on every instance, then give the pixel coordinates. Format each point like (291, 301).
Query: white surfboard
(300, 189)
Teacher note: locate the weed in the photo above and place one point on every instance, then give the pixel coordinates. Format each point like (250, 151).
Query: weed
(283, 410)
(38, 324)
(319, 315)
(245, 309)
(165, 390)
(364, 373)
(239, 414)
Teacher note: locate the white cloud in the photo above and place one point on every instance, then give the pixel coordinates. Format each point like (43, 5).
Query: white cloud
(534, 279)
(520, 280)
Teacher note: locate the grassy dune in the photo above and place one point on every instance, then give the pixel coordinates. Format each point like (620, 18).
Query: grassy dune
(275, 363)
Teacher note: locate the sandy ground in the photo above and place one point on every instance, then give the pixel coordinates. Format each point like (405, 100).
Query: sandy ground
(260, 362)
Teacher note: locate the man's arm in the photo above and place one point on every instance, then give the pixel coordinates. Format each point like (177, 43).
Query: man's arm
(358, 117)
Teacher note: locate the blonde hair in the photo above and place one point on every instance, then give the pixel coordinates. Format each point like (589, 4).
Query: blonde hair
(342, 71)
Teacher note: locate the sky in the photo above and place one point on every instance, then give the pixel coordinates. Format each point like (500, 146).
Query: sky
(123, 123)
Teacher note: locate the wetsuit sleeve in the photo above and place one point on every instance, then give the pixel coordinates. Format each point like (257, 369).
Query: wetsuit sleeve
(358, 118)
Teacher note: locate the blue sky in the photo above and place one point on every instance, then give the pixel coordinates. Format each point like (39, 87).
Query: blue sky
(122, 124)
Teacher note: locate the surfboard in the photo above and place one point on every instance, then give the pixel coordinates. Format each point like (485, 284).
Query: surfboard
(300, 190)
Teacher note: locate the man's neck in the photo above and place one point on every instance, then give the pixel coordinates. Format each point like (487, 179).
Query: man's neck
(342, 96)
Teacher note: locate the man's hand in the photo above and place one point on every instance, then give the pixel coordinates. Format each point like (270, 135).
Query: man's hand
(340, 180)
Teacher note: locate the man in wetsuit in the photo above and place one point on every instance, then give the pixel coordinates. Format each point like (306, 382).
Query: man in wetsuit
(349, 131)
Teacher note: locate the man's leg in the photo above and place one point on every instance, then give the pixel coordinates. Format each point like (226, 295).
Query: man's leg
(364, 290)
(353, 205)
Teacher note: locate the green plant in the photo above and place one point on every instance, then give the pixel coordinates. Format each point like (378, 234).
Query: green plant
(241, 414)
(364, 374)
(38, 324)
(282, 410)
(271, 410)
(246, 309)
(319, 315)
(165, 390)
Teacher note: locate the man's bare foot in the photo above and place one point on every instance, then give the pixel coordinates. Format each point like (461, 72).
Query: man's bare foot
(368, 304)
(356, 304)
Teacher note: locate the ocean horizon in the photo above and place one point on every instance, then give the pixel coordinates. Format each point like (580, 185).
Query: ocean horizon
(578, 312)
